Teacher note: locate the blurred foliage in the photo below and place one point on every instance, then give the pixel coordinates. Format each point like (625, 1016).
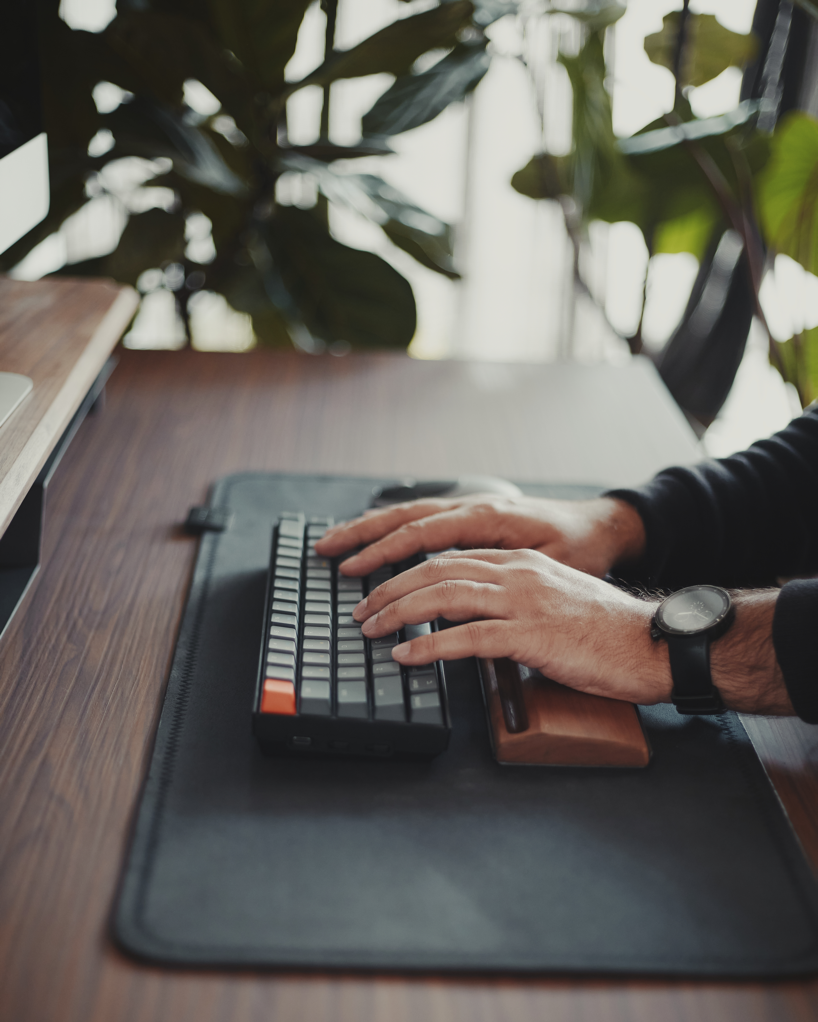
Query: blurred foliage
(710, 48)
(278, 263)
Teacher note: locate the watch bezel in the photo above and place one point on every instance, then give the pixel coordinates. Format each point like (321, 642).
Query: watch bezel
(721, 619)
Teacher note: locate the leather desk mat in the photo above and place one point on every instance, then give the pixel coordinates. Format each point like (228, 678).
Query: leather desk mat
(688, 867)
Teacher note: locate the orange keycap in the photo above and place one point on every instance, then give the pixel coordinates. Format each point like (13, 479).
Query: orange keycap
(278, 697)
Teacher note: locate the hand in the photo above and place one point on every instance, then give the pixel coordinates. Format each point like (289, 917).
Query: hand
(589, 535)
(521, 604)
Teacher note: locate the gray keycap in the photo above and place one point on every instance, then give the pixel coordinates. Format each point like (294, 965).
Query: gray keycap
(315, 671)
(383, 655)
(280, 632)
(423, 682)
(318, 583)
(280, 672)
(286, 606)
(287, 583)
(279, 595)
(315, 697)
(346, 620)
(284, 619)
(350, 633)
(320, 596)
(290, 529)
(351, 674)
(351, 660)
(290, 543)
(317, 619)
(317, 632)
(426, 708)
(320, 645)
(316, 607)
(352, 699)
(350, 585)
(413, 631)
(288, 562)
(351, 646)
(389, 699)
(380, 670)
(311, 657)
(387, 641)
(317, 529)
(319, 573)
(291, 573)
(274, 656)
(318, 562)
(282, 645)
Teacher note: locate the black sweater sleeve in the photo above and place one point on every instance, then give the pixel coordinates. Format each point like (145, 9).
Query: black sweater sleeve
(745, 521)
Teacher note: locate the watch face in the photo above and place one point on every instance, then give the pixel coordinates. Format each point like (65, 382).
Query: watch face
(694, 609)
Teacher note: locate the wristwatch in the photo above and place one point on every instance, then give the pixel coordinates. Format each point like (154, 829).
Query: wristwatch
(689, 620)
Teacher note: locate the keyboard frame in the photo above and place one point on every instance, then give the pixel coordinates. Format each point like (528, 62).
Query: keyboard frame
(312, 735)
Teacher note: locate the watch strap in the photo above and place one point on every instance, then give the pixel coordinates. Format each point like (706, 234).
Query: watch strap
(693, 688)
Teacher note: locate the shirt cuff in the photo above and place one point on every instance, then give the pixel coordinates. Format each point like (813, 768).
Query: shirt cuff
(795, 638)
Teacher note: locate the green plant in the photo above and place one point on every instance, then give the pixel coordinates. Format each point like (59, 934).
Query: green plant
(280, 264)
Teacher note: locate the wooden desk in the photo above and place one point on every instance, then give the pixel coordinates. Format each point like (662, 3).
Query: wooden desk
(83, 665)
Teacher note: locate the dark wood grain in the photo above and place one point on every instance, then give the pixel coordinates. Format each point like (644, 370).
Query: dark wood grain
(83, 668)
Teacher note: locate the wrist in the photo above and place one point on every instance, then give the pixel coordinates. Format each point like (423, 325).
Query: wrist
(624, 528)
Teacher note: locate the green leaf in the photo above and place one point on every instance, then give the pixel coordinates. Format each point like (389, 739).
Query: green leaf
(544, 177)
(668, 136)
(342, 294)
(799, 356)
(243, 287)
(688, 233)
(326, 152)
(788, 190)
(152, 238)
(144, 128)
(430, 251)
(709, 47)
(395, 48)
(413, 100)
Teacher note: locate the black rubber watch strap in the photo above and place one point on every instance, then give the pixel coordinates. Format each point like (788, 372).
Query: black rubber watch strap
(693, 688)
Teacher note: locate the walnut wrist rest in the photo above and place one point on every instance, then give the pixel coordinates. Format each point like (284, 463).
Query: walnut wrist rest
(533, 720)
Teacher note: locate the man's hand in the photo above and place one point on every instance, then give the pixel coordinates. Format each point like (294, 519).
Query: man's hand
(590, 535)
(520, 604)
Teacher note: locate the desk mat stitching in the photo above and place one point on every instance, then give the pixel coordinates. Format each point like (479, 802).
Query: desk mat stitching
(153, 802)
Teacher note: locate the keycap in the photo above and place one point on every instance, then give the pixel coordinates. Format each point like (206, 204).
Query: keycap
(318, 583)
(286, 606)
(349, 585)
(311, 657)
(275, 656)
(351, 646)
(292, 573)
(317, 632)
(318, 562)
(351, 674)
(315, 697)
(386, 641)
(318, 596)
(351, 660)
(382, 655)
(315, 671)
(422, 682)
(413, 631)
(294, 546)
(346, 620)
(319, 573)
(317, 530)
(316, 607)
(352, 699)
(291, 529)
(284, 619)
(379, 670)
(288, 562)
(388, 699)
(278, 696)
(350, 633)
(280, 632)
(282, 645)
(317, 619)
(426, 709)
(321, 645)
(280, 595)
(287, 583)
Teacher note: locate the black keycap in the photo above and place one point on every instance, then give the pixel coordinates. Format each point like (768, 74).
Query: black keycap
(311, 657)
(351, 660)
(315, 697)
(349, 633)
(413, 631)
(319, 645)
(426, 708)
(285, 659)
(351, 646)
(383, 655)
(386, 641)
(317, 632)
(380, 670)
(423, 682)
(317, 619)
(280, 632)
(389, 699)
(352, 699)
(315, 671)
(351, 674)
(282, 645)
(284, 619)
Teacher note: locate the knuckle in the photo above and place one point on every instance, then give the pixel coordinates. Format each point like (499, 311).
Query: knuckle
(449, 590)
(436, 567)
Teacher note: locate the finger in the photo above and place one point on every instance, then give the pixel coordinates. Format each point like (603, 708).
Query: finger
(438, 570)
(372, 525)
(454, 599)
(476, 638)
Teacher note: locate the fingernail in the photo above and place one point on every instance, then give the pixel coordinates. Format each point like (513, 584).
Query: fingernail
(359, 611)
(402, 649)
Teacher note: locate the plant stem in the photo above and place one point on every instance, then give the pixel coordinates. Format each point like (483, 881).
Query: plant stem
(330, 7)
(681, 39)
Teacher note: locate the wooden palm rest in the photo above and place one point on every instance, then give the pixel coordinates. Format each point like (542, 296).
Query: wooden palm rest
(536, 721)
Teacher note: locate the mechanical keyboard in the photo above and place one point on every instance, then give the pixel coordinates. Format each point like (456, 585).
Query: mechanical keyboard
(322, 687)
